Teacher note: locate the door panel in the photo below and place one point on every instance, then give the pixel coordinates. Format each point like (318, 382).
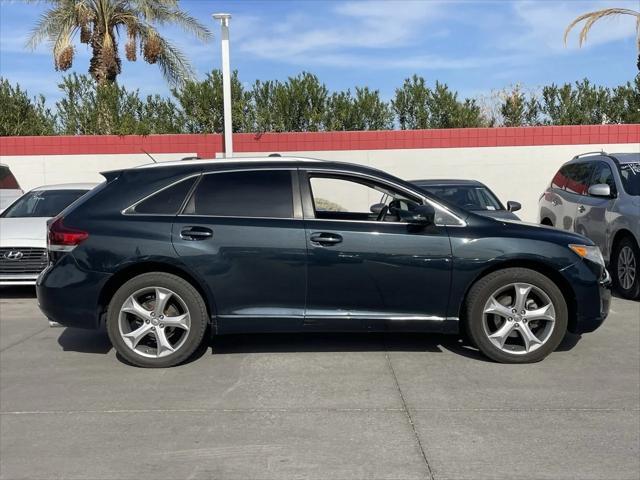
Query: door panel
(254, 267)
(378, 270)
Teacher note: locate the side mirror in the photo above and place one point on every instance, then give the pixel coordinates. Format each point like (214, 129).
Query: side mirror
(513, 206)
(600, 190)
(418, 215)
(377, 208)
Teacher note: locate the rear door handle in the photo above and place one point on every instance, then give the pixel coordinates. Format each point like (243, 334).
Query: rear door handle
(325, 238)
(196, 233)
(581, 208)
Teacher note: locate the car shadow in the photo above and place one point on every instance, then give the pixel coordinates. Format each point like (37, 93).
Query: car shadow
(84, 341)
(97, 342)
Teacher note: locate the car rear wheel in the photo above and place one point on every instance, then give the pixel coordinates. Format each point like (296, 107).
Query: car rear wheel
(625, 268)
(516, 315)
(156, 320)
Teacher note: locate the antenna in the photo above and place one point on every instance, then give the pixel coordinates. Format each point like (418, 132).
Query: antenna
(149, 155)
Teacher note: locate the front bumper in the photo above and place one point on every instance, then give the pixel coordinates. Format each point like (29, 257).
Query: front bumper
(592, 296)
(16, 280)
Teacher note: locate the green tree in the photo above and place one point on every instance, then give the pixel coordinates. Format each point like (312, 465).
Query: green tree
(90, 109)
(624, 104)
(364, 111)
(410, 104)
(202, 104)
(586, 104)
(517, 110)
(446, 111)
(100, 23)
(21, 115)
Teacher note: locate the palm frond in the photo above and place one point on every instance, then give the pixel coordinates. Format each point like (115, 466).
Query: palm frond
(592, 17)
(174, 65)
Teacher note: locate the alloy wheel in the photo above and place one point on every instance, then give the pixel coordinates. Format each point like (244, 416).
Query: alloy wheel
(154, 322)
(626, 267)
(519, 318)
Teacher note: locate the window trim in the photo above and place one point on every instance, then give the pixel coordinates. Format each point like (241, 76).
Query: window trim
(307, 196)
(296, 205)
(131, 209)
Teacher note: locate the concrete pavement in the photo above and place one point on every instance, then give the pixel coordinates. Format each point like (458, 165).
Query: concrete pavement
(316, 406)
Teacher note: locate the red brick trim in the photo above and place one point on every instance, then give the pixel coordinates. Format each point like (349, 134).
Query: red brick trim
(207, 146)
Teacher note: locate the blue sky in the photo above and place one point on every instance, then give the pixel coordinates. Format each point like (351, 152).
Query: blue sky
(474, 46)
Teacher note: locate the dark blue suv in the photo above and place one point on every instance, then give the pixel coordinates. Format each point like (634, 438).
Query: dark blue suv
(165, 252)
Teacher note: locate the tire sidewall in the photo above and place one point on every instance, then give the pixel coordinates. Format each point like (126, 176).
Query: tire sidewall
(487, 286)
(632, 293)
(190, 296)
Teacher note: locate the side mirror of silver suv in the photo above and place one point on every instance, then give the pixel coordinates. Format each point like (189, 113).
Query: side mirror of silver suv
(600, 190)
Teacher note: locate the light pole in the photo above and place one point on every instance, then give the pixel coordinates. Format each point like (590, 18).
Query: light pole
(226, 83)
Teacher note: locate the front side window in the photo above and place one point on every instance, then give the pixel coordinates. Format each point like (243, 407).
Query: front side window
(602, 174)
(167, 201)
(42, 203)
(350, 198)
(259, 193)
(578, 175)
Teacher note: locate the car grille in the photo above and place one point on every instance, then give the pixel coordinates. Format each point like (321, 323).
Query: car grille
(30, 261)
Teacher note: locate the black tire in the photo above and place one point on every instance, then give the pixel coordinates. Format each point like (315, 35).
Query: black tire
(187, 293)
(627, 244)
(484, 288)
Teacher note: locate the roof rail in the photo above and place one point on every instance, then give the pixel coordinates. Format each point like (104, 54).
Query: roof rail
(601, 152)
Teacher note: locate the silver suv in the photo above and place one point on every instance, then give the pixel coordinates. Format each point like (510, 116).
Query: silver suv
(598, 195)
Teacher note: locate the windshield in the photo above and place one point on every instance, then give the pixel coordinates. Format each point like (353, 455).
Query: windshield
(45, 203)
(469, 197)
(630, 175)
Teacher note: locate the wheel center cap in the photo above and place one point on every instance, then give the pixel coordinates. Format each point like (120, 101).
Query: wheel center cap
(518, 317)
(154, 321)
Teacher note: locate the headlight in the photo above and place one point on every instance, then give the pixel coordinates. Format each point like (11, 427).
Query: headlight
(589, 252)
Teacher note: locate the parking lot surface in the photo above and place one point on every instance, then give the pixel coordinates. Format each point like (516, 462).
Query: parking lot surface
(317, 406)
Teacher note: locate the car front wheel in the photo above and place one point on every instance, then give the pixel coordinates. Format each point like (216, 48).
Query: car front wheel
(516, 315)
(626, 269)
(156, 320)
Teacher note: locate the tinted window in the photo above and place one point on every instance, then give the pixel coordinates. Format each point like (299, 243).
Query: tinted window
(167, 201)
(470, 197)
(244, 194)
(630, 175)
(7, 180)
(578, 175)
(46, 203)
(560, 178)
(603, 174)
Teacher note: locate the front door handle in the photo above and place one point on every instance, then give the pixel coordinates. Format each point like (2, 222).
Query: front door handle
(581, 209)
(196, 233)
(325, 238)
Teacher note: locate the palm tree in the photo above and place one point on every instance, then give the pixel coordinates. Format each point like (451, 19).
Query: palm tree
(101, 23)
(592, 17)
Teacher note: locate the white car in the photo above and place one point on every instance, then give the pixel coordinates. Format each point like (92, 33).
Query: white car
(10, 190)
(23, 230)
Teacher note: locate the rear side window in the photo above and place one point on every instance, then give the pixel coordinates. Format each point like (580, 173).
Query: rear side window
(7, 180)
(560, 178)
(244, 194)
(167, 201)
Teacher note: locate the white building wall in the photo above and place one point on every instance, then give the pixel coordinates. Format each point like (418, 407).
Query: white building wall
(514, 173)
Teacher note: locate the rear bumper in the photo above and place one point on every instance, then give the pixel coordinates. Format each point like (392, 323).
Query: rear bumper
(69, 295)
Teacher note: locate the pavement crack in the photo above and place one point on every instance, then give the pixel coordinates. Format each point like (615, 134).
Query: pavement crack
(24, 339)
(406, 411)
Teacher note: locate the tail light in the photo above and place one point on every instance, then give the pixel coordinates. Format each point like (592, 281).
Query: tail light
(62, 238)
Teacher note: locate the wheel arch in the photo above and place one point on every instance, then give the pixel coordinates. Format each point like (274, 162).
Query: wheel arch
(620, 234)
(127, 273)
(540, 267)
